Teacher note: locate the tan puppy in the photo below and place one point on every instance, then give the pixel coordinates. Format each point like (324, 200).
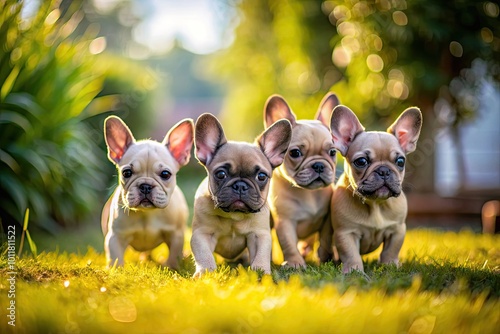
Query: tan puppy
(301, 189)
(368, 206)
(230, 210)
(138, 212)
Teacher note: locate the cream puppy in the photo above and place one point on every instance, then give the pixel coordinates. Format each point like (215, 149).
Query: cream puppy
(146, 208)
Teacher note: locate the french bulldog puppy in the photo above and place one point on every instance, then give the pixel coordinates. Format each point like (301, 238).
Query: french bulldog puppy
(301, 190)
(231, 214)
(147, 207)
(368, 205)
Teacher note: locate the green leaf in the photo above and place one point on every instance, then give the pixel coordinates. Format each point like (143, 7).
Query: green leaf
(9, 117)
(27, 102)
(31, 157)
(7, 159)
(11, 187)
(9, 82)
(101, 105)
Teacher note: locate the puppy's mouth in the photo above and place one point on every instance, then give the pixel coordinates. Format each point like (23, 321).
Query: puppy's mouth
(238, 206)
(147, 203)
(309, 178)
(382, 192)
(318, 182)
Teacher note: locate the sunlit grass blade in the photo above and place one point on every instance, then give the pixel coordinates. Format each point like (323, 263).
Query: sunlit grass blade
(32, 244)
(25, 228)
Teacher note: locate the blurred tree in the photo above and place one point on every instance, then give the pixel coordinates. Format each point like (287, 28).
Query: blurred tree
(399, 53)
(132, 79)
(378, 56)
(280, 47)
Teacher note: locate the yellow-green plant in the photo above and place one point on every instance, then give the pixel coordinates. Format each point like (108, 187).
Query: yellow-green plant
(26, 233)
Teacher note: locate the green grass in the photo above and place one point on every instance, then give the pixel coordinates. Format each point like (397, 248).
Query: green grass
(448, 283)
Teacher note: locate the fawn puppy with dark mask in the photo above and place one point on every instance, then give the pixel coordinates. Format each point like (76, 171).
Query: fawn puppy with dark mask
(368, 205)
(301, 188)
(231, 215)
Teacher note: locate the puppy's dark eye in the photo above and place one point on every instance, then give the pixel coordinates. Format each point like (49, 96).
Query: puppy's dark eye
(400, 162)
(295, 153)
(165, 174)
(127, 172)
(261, 176)
(221, 175)
(332, 152)
(361, 162)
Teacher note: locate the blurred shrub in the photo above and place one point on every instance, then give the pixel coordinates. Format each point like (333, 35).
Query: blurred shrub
(50, 78)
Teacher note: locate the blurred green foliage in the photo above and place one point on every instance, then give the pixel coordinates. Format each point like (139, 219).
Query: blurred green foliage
(51, 104)
(378, 56)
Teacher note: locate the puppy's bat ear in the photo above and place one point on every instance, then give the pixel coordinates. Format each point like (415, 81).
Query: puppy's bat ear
(326, 106)
(275, 140)
(275, 109)
(344, 126)
(209, 136)
(118, 138)
(179, 141)
(407, 129)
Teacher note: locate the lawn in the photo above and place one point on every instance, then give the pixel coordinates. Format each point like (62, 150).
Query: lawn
(449, 282)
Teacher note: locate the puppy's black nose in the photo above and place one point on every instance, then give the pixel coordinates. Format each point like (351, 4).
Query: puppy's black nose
(384, 172)
(240, 187)
(318, 167)
(145, 188)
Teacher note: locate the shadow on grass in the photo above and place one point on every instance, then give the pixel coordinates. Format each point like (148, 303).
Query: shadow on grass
(411, 274)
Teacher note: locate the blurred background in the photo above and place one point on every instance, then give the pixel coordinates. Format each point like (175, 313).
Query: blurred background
(66, 65)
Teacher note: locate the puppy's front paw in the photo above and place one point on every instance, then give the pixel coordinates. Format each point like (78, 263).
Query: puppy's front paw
(200, 271)
(348, 268)
(297, 263)
(198, 274)
(265, 269)
(385, 259)
(172, 265)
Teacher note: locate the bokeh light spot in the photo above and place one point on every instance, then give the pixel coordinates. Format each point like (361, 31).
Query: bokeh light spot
(375, 63)
(456, 49)
(376, 42)
(52, 17)
(351, 44)
(122, 309)
(491, 9)
(341, 56)
(309, 82)
(347, 29)
(400, 18)
(487, 35)
(397, 89)
(341, 12)
(377, 79)
(98, 45)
